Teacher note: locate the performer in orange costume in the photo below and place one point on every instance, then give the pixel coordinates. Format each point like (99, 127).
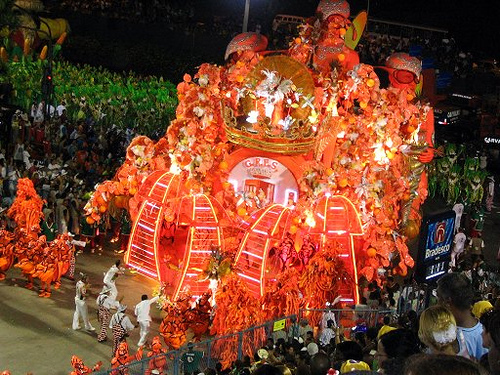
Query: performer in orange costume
(158, 361)
(6, 252)
(122, 357)
(79, 367)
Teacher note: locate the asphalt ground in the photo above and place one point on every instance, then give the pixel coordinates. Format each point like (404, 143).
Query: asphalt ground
(36, 334)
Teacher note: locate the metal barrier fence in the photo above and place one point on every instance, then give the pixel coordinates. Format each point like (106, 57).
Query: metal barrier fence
(246, 342)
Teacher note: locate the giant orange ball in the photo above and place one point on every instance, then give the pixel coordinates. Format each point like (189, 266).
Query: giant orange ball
(343, 182)
(223, 165)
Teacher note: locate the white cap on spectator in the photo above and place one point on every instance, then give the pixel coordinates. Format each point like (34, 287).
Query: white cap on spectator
(312, 348)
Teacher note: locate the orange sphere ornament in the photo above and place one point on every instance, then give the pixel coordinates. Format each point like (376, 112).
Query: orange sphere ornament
(329, 172)
(412, 229)
(223, 166)
(102, 209)
(343, 182)
(370, 82)
(132, 191)
(371, 252)
(363, 105)
(401, 272)
(293, 229)
(242, 212)
(89, 220)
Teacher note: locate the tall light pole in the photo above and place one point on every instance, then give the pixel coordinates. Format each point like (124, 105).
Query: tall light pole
(245, 16)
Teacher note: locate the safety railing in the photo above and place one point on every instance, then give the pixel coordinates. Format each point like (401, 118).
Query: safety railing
(227, 349)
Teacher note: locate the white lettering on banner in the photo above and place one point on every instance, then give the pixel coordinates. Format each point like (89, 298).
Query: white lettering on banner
(260, 172)
(437, 251)
(261, 162)
(491, 140)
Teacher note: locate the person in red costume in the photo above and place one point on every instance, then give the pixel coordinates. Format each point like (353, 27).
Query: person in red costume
(79, 367)
(158, 361)
(331, 49)
(122, 357)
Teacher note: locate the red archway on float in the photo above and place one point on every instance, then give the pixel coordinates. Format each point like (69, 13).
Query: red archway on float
(143, 251)
(200, 216)
(337, 219)
(253, 252)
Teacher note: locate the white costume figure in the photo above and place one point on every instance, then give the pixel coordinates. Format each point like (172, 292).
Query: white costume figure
(458, 247)
(329, 314)
(459, 210)
(81, 305)
(143, 318)
(213, 285)
(110, 277)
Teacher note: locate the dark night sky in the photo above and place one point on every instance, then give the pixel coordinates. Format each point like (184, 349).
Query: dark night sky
(475, 25)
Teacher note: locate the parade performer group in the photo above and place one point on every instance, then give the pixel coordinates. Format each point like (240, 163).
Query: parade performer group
(38, 257)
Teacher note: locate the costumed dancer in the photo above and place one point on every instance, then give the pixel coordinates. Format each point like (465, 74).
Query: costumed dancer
(125, 229)
(87, 232)
(110, 277)
(70, 274)
(81, 309)
(158, 363)
(104, 304)
(79, 367)
(122, 358)
(458, 247)
(46, 271)
(6, 252)
(142, 312)
(120, 325)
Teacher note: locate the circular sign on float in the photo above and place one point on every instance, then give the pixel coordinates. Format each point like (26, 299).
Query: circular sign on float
(265, 177)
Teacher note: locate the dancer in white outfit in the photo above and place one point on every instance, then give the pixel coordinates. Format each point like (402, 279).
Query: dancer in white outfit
(110, 277)
(81, 305)
(143, 318)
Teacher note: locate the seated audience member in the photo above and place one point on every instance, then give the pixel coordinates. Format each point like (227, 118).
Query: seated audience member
(441, 364)
(455, 292)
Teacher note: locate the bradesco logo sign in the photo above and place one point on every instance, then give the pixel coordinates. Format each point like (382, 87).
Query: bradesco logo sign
(439, 238)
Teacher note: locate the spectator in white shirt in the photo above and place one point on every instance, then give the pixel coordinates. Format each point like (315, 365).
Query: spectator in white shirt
(142, 312)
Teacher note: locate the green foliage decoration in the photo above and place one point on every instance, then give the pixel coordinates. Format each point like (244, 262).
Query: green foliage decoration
(125, 100)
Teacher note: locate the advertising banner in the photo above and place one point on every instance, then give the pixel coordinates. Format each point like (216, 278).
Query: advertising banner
(435, 248)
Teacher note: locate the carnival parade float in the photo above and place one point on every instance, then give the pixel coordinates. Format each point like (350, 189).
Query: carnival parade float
(285, 179)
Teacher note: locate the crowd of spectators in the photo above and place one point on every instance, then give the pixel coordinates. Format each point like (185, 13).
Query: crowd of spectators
(63, 159)
(448, 332)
